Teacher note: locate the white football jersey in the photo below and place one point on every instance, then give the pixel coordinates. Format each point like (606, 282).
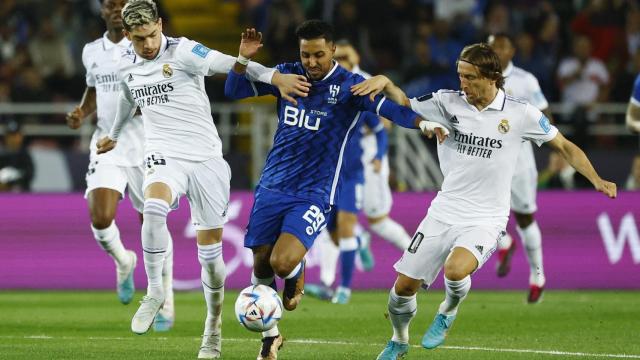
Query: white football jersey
(479, 156)
(522, 84)
(169, 90)
(101, 60)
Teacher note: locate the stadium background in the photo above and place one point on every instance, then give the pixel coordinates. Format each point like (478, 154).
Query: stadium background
(591, 244)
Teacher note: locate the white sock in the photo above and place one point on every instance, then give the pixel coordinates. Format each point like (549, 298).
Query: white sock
(401, 310)
(268, 281)
(392, 232)
(109, 240)
(212, 274)
(504, 242)
(167, 280)
(155, 239)
(329, 254)
(532, 239)
(455, 292)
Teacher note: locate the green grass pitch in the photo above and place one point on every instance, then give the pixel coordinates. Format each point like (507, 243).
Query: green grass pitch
(490, 325)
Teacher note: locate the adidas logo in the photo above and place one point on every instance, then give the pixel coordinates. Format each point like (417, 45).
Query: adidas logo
(130, 79)
(94, 66)
(454, 120)
(479, 248)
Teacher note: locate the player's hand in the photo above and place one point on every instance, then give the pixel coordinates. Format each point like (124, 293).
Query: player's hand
(105, 145)
(290, 86)
(74, 118)
(431, 128)
(608, 188)
(250, 43)
(377, 165)
(371, 87)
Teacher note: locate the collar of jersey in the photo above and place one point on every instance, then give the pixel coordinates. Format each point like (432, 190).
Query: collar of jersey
(108, 44)
(335, 66)
(508, 70)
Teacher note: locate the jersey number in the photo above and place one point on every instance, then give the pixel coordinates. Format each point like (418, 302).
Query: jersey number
(415, 242)
(315, 218)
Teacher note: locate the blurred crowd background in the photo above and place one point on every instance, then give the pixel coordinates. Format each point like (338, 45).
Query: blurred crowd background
(415, 42)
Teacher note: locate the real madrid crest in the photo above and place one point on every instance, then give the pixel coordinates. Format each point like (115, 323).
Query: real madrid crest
(504, 126)
(167, 71)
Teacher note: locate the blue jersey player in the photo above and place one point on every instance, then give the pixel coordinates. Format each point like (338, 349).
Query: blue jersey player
(299, 182)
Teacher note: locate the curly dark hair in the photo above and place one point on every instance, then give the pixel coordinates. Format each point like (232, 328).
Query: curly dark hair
(315, 29)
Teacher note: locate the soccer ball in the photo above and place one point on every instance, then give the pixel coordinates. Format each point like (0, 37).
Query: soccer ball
(258, 308)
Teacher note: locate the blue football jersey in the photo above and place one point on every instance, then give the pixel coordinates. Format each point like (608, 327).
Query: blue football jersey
(311, 139)
(353, 167)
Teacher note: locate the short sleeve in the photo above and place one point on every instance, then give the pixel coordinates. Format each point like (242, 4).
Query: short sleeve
(200, 60)
(537, 127)
(635, 94)
(601, 72)
(89, 77)
(430, 107)
(567, 67)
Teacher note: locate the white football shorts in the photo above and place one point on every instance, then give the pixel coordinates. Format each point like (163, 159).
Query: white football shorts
(434, 240)
(206, 185)
(377, 199)
(524, 182)
(118, 178)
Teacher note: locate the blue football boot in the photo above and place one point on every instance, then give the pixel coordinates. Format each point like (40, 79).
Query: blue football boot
(438, 330)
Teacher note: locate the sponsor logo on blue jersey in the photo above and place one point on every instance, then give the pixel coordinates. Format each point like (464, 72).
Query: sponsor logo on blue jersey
(200, 50)
(545, 124)
(297, 117)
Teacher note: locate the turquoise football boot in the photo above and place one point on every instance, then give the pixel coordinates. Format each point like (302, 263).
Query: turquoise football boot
(438, 330)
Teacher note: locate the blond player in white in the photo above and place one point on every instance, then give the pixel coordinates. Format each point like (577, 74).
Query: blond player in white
(480, 130)
(110, 174)
(164, 77)
(522, 84)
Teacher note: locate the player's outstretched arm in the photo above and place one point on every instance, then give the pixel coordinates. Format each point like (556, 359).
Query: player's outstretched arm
(125, 111)
(632, 118)
(86, 107)
(377, 84)
(578, 159)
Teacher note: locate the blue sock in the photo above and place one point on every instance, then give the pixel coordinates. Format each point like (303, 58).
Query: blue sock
(348, 250)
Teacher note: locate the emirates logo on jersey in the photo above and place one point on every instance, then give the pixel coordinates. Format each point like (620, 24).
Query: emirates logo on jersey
(167, 71)
(504, 126)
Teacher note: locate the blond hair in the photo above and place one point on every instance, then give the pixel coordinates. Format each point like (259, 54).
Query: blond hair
(138, 13)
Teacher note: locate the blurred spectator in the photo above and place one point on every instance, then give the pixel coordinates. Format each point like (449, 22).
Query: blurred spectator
(560, 175)
(444, 49)
(283, 18)
(497, 20)
(633, 182)
(528, 57)
(49, 53)
(16, 165)
(422, 76)
(633, 32)
(583, 82)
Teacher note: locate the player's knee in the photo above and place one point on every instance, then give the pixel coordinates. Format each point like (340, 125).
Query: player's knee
(282, 265)
(455, 271)
(524, 220)
(101, 219)
(405, 289)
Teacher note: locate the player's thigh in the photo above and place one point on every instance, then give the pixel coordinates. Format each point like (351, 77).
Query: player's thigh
(377, 199)
(208, 193)
(480, 240)
(524, 182)
(106, 183)
(209, 237)
(135, 178)
(304, 220)
(170, 172)
(427, 252)
(287, 253)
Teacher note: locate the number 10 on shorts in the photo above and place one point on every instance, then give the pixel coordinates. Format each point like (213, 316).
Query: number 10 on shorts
(315, 218)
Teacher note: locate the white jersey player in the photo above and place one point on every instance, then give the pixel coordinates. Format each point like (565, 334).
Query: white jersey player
(164, 78)
(480, 130)
(522, 84)
(110, 174)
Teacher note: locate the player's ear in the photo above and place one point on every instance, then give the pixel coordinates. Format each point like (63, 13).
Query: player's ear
(160, 23)
(126, 34)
